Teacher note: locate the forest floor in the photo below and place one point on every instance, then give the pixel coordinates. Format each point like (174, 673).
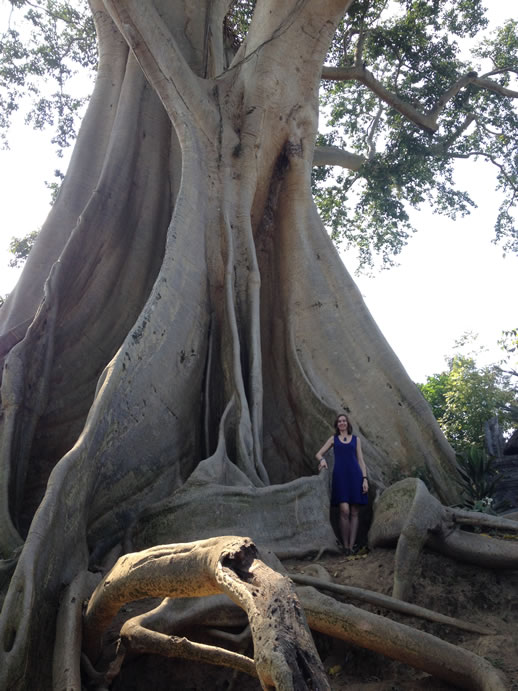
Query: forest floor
(481, 596)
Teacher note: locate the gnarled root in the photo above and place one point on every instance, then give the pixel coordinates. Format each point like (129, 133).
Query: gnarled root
(135, 637)
(415, 648)
(404, 515)
(285, 656)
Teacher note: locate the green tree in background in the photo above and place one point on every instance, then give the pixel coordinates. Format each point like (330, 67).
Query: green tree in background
(509, 344)
(465, 396)
(45, 46)
(20, 248)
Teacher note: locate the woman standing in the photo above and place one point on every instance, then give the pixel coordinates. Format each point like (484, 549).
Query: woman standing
(350, 484)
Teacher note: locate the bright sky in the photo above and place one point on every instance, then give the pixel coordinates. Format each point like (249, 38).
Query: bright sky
(451, 278)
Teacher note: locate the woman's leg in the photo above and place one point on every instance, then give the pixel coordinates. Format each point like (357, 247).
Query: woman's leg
(344, 524)
(353, 525)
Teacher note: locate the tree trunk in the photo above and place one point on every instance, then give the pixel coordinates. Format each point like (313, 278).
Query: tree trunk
(184, 302)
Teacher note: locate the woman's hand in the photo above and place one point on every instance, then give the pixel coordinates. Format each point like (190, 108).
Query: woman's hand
(322, 465)
(365, 485)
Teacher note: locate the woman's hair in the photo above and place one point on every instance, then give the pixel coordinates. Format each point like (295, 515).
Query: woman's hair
(349, 426)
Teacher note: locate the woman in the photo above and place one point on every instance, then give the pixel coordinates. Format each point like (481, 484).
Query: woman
(350, 484)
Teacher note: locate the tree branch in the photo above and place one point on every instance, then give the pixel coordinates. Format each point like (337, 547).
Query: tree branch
(426, 121)
(449, 94)
(490, 158)
(491, 85)
(361, 74)
(371, 133)
(512, 372)
(442, 145)
(334, 156)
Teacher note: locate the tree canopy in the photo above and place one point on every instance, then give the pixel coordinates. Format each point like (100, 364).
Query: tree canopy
(408, 88)
(409, 99)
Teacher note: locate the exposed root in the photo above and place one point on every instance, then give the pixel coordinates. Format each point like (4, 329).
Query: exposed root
(408, 516)
(66, 663)
(391, 603)
(483, 520)
(240, 638)
(138, 639)
(415, 648)
(285, 656)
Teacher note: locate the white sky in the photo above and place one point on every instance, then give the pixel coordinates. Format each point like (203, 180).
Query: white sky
(451, 278)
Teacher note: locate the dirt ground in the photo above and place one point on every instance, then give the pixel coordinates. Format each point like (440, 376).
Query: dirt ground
(477, 595)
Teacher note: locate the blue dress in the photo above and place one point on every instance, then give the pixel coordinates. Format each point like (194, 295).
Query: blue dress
(347, 474)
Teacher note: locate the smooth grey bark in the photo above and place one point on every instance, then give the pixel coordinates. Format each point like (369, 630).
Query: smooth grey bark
(407, 516)
(194, 306)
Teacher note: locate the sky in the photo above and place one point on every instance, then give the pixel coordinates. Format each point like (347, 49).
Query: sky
(450, 280)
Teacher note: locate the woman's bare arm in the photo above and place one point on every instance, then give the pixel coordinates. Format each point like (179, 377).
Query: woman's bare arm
(359, 454)
(322, 463)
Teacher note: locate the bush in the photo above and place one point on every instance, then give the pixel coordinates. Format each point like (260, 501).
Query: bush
(478, 479)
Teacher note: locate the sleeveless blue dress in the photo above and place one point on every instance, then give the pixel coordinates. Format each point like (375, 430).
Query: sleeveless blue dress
(347, 474)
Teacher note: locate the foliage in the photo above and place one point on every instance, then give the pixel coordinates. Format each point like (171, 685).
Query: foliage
(415, 50)
(509, 344)
(478, 479)
(417, 55)
(413, 47)
(238, 19)
(464, 397)
(46, 44)
(21, 247)
(55, 185)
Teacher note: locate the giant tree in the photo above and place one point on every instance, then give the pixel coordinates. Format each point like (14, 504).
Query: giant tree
(184, 329)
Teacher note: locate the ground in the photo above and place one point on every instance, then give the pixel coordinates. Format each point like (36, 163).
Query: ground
(467, 592)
